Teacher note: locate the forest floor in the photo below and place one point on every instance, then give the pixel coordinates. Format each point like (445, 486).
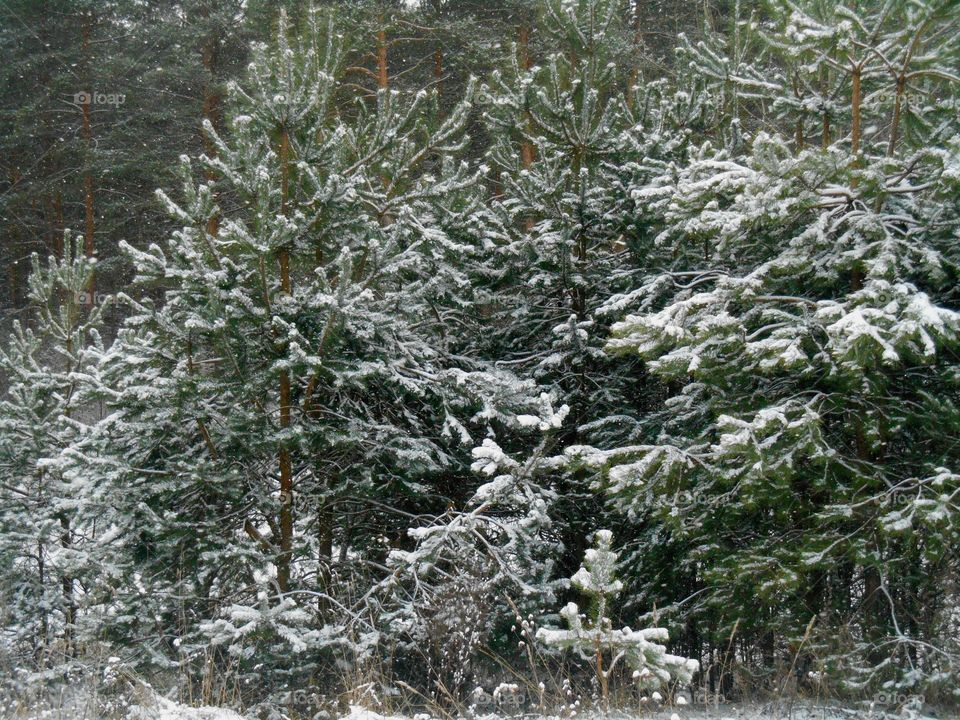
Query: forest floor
(799, 710)
(149, 706)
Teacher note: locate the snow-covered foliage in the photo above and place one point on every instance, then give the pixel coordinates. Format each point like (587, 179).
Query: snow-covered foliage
(366, 403)
(808, 331)
(499, 544)
(304, 364)
(642, 651)
(43, 523)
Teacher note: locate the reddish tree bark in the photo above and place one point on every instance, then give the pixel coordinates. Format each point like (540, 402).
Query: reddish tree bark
(383, 78)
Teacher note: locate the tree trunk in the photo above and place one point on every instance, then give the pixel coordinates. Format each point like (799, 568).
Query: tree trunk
(897, 110)
(87, 134)
(824, 81)
(855, 99)
(871, 607)
(325, 540)
(66, 536)
(14, 232)
(438, 74)
(211, 113)
(636, 21)
(527, 151)
(69, 601)
(58, 225)
(286, 469)
(604, 682)
(44, 618)
(383, 78)
(798, 136)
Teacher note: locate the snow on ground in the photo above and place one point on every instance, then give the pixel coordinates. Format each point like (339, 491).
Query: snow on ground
(159, 708)
(752, 711)
(162, 709)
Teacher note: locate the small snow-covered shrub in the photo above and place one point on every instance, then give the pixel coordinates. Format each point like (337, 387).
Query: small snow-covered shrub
(640, 650)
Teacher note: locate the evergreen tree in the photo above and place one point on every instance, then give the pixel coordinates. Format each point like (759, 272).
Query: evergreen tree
(652, 666)
(42, 524)
(554, 257)
(810, 354)
(302, 373)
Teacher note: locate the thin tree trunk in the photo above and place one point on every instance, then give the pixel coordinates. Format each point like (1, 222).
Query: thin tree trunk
(856, 277)
(44, 618)
(527, 151)
(901, 88)
(14, 232)
(204, 433)
(383, 78)
(897, 110)
(871, 607)
(438, 73)
(69, 601)
(635, 20)
(824, 81)
(798, 133)
(855, 128)
(286, 468)
(604, 682)
(87, 134)
(12, 270)
(14, 290)
(325, 539)
(66, 536)
(871, 576)
(58, 225)
(211, 113)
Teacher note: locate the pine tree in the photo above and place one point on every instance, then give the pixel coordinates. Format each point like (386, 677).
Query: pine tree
(42, 525)
(652, 666)
(301, 373)
(800, 462)
(500, 544)
(554, 256)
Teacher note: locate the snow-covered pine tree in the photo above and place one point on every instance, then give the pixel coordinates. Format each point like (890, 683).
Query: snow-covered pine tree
(299, 392)
(556, 126)
(653, 667)
(445, 593)
(666, 120)
(557, 255)
(41, 521)
(803, 460)
(575, 242)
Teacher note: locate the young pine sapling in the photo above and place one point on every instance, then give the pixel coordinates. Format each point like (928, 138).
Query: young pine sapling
(641, 650)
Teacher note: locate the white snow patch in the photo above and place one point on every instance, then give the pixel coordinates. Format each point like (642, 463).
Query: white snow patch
(160, 708)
